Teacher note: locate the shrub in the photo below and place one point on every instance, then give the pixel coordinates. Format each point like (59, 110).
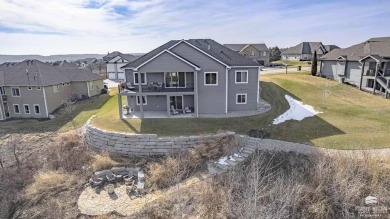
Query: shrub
(50, 180)
(102, 162)
(103, 91)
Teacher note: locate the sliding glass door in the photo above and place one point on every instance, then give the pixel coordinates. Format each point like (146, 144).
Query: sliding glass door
(176, 102)
(175, 79)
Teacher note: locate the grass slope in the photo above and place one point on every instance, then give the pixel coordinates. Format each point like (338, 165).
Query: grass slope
(63, 122)
(352, 119)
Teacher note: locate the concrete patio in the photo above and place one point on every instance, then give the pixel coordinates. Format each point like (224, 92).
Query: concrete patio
(156, 115)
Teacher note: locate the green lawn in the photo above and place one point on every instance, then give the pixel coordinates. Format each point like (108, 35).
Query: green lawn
(351, 119)
(65, 121)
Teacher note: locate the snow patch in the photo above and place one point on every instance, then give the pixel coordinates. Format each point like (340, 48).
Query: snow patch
(222, 161)
(298, 111)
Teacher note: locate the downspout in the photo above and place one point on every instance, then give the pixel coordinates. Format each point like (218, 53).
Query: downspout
(1, 107)
(44, 97)
(196, 94)
(88, 89)
(227, 81)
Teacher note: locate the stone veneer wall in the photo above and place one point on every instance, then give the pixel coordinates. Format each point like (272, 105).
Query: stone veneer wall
(143, 144)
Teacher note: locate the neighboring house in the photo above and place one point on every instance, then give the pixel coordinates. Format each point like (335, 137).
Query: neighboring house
(257, 52)
(304, 51)
(365, 65)
(83, 63)
(196, 77)
(114, 64)
(33, 89)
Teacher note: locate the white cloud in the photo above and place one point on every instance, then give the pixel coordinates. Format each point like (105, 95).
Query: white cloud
(149, 23)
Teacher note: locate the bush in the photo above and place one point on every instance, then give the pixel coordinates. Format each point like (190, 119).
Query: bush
(50, 180)
(172, 170)
(103, 91)
(70, 153)
(102, 162)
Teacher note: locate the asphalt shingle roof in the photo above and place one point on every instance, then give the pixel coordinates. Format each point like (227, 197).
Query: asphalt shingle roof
(374, 46)
(208, 46)
(239, 47)
(37, 73)
(303, 48)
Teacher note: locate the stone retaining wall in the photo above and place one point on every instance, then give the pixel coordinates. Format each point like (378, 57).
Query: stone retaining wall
(143, 144)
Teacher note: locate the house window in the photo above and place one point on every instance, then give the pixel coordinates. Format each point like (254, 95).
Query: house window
(241, 77)
(16, 109)
(264, 53)
(67, 84)
(63, 85)
(241, 99)
(56, 88)
(37, 110)
(175, 79)
(144, 100)
(29, 88)
(26, 109)
(252, 53)
(211, 78)
(143, 77)
(2, 90)
(38, 88)
(15, 92)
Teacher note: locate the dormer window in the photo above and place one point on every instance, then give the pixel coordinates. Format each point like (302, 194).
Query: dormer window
(15, 92)
(252, 53)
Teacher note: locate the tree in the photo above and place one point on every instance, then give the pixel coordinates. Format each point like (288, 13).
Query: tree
(314, 64)
(274, 54)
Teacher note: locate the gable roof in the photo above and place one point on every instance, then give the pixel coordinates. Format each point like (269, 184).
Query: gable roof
(7, 65)
(375, 46)
(109, 56)
(304, 48)
(329, 48)
(37, 73)
(209, 47)
(127, 57)
(240, 47)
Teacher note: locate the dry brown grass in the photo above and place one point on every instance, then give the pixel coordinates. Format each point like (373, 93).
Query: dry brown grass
(171, 170)
(282, 185)
(50, 180)
(102, 161)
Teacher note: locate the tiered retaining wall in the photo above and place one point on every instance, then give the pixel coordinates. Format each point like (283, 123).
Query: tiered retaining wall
(143, 144)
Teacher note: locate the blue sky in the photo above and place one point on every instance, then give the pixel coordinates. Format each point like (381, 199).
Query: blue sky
(97, 26)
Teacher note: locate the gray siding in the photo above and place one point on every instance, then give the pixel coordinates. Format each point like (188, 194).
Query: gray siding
(166, 63)
(29, 97)
(79, 88)
(97, 87)
(250, 89)
(154, 103)
(330, 69)
(211, 99)
(353, 73)
(55, 100)
(188, 100)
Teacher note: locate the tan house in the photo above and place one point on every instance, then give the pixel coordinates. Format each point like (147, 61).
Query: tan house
(258, 52)
(33, 89)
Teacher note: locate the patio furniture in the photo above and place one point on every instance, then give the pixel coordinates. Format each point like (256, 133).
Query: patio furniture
(159, 86)
(174, 111)
(130, 86)
(128, 179)
(187, 110)
(110, 177)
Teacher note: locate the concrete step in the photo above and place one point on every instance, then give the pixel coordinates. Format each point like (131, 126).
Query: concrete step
(249, 149)
(232, 163)
(246, 153)
(221, 166)
(251, 146)
(239, 159)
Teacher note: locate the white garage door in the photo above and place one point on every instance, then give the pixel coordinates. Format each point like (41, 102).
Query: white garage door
(121, 75)
(111, 76)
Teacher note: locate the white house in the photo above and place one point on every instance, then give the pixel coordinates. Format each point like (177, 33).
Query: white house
(114, 64)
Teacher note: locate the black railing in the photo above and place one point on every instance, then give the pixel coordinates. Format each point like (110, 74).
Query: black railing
(3, 97)
(160, 87)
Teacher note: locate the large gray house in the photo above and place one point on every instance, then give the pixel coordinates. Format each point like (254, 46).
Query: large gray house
(33, 89)
(258, 52)
(194, 77)
(365, 65)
